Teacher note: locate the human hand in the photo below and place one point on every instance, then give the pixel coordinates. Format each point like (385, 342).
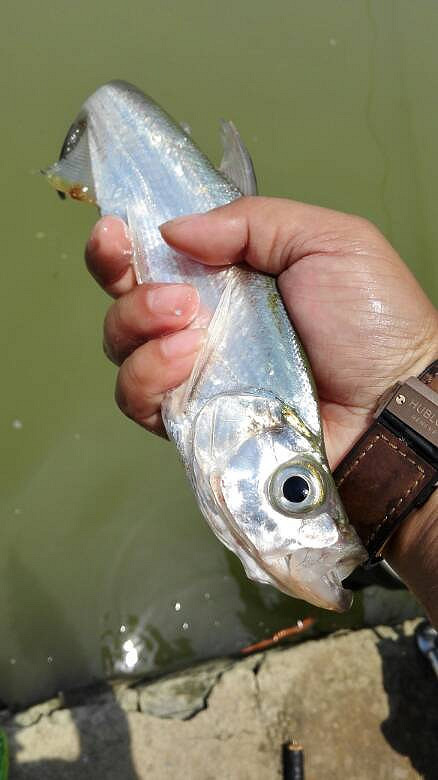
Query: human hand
(363, 319)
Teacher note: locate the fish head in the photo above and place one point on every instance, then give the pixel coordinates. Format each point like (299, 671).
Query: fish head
(265, 486)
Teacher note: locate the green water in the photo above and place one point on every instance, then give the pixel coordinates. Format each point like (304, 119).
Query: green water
(102, 543)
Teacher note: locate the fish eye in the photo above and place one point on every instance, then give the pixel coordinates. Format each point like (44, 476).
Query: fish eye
(296, 487)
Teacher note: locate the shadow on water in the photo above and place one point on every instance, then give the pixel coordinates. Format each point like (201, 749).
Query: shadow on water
(411, 727)
(102, 735)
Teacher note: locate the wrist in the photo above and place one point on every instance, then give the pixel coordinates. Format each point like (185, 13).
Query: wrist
(413, 553)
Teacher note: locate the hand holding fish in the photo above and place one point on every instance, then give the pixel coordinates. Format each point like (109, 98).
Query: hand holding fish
(362, 317)
(221, 368)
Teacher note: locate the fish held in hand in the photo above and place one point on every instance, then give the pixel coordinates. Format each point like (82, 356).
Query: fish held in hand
(246, 423)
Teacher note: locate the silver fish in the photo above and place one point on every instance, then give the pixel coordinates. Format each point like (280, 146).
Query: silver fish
(246, 423)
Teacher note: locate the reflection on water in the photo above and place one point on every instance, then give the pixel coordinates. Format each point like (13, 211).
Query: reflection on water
(205, 626)
(140, 648)
(106, 566)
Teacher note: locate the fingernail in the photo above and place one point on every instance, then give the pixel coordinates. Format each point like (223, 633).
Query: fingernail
(123, 235)
(175, 299)
(93, 241)
(183, 343)
(180, 220)
(119, 233)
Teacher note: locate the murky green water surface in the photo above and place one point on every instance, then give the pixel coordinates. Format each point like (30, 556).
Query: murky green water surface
(105, 562)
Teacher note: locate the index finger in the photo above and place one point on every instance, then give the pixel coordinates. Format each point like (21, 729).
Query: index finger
(108, 256)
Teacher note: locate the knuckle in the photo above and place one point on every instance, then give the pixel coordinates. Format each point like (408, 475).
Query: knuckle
(364, 230)
(348, 234)
(154, 424)
(135, 372)
(111, 334)
(123, 395)
(107, 351)
(134, 398)
(364, 226)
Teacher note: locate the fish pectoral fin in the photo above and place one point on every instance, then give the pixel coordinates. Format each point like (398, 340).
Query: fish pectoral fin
(134, 219)
(236, 162)
(227, 420)
(72, 175)
(214, 338)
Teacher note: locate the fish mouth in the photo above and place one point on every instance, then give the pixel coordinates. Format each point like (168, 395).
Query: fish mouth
(328, 591)
(314, 574)
(345, 565)
(317, 575)
(341, 598)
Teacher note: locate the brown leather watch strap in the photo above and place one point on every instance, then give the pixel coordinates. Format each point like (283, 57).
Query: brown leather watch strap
(430, 376)
(389, 471)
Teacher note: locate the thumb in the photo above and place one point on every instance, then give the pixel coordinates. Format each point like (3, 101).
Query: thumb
(268, 233)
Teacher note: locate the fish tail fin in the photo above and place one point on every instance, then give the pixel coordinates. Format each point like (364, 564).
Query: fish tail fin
(72, 175)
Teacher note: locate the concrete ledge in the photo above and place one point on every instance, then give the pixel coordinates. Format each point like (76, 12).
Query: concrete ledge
(364, 704)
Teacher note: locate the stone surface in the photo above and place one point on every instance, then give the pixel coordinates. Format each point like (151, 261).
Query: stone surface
(364, 705)
(184, 694)
(33, 714)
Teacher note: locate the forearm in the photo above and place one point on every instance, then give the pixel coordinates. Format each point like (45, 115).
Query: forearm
(413, 553)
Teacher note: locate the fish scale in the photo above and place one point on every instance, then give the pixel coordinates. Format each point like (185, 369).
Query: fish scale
(246, 423)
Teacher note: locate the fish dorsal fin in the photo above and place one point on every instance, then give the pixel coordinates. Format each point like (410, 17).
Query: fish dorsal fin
(236, 162)
(186, 127)
(72, 175)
